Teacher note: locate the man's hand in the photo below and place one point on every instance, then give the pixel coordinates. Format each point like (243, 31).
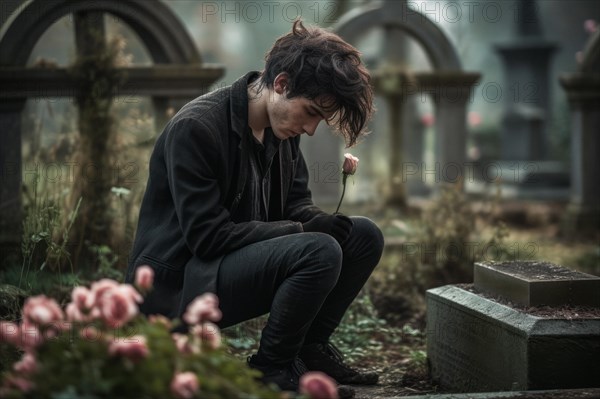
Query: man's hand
(338, 226)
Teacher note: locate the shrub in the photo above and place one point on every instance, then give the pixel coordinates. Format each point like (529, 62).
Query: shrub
(437, 249)
(100, 346)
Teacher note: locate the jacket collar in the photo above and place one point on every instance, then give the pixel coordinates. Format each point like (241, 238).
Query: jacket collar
(239, 103)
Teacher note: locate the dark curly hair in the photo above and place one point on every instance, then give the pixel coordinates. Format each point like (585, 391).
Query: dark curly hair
(320, 65)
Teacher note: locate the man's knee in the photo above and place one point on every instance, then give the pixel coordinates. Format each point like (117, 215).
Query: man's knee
(323, 252)
(367, 230)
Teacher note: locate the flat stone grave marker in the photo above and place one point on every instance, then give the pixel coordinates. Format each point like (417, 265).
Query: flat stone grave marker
(495, 335)
(532, 283)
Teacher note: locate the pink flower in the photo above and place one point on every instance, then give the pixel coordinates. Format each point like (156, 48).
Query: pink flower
(9, 333)
(590, 26)
(30, 336)
(90, 333)
(428, 120)
(350, 164)
(98, 290)
(74, 313)
(27, 364)
(318, 385)
(183, 345)
(348, 168)
(42, 310)
(184, 385)
(80, 296)
(160, 319)
(204, 307)
(133, 347)
(144, 277)
(118, 305)
(474, 119)
(208, 333)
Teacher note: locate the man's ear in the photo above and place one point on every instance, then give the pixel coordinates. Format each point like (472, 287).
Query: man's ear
(280, 83)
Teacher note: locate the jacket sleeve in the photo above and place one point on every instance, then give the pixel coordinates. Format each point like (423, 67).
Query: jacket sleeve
(192, 160)
(299, 205)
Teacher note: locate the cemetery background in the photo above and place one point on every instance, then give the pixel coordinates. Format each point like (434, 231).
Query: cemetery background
(496, 212)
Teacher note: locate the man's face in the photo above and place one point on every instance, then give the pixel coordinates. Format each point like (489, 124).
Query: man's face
(290, 117)
(295, 116)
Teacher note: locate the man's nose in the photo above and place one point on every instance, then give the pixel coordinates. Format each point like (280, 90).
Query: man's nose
(311, 127)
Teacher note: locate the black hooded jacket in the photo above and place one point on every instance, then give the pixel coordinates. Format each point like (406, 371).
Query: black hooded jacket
(198, 173)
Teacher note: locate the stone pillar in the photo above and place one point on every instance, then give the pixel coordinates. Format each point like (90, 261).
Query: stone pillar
(395, 48)
(414, 148)
(397, 196)
(583, 92)
(450, 102)
(527, 62)
(10, 177)
(527, 99)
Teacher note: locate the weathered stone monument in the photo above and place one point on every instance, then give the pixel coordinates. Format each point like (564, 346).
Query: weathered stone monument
(527, 116)
(583, 93)
(520, 326)
(527, 69)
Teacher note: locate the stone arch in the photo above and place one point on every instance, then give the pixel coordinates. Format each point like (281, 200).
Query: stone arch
(176, 77)
(448, 85)
(155, 23)
(435, 43)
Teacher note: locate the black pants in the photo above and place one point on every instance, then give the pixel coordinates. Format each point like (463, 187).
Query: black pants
(306, 281)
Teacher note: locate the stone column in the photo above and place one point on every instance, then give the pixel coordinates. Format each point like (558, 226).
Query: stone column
(527, 64)
(414, 148)
(583, 92)
(397, 195)
(451, 95)
(10, 177)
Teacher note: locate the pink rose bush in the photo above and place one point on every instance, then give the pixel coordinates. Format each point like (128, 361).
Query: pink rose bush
(100, 345)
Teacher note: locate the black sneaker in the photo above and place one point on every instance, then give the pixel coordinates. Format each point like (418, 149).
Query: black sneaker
(328, 359)
(288, 378)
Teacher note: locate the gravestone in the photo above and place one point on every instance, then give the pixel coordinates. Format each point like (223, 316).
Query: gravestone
(537, 284)
(527, 64)
(478, 340)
